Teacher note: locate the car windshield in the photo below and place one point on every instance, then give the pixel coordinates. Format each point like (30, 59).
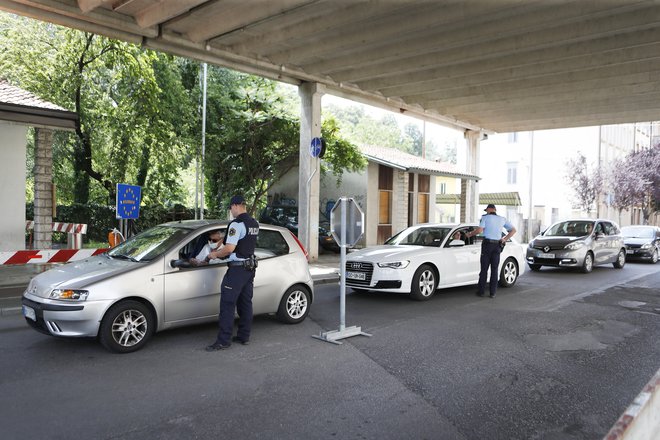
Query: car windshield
(637, 232)
(149, 244)
(425, 236)
(573, 228)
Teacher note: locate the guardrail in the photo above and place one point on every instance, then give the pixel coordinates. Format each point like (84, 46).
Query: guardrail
(74, 232)
(641, 420)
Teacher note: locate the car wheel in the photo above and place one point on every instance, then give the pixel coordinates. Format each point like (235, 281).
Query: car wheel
(294, 305)
(423, 283)
(620, 260)
(509, 273)
(588, 264)
(535, 267)
(654, 257)
(126, 327)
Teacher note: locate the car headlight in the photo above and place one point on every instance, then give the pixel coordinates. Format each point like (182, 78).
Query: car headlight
(575, 245)
(647, 246)
(531, 244)
(395, 264)
(69, 294)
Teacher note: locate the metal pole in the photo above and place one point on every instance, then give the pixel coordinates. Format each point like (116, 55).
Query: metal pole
(342, 262)
(201, 204)
(531, 177)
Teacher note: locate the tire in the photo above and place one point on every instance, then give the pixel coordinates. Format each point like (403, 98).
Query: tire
(588, 264)
(126, 327)
(424, 283)
(294, 305)
(509, 273)
(620, 260)
(535, 267)
(654, 257)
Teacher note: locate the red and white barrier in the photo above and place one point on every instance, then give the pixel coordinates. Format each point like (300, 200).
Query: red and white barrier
(71, 228)
(47, 256)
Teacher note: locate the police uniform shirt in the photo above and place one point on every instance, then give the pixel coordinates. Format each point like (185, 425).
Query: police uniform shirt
(493, 224)
(234, 234)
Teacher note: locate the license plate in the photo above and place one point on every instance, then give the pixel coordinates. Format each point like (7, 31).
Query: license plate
(356, 276)
(542, 255)
(630, 251)
(28, 312)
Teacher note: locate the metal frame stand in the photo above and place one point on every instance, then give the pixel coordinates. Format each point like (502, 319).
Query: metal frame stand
(333, 336)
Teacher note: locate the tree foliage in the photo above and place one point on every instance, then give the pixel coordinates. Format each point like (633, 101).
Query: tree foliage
(586, 181)
(134, 114)
(635, 180)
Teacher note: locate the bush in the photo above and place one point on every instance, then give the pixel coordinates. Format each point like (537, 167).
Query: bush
(100, 219)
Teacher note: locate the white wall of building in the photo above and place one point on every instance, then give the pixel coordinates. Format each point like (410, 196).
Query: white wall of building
(12, 186)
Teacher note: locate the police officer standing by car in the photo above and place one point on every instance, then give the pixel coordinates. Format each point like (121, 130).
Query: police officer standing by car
(237, 285)
(491, 225)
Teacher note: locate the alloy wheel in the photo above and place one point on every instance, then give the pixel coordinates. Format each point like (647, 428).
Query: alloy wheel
(296, 304)
(129, 328)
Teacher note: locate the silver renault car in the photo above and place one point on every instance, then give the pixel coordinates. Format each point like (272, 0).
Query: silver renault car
(578, 243)
(147, 284)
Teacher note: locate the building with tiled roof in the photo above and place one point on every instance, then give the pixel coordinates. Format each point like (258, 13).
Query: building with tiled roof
(19, 110)
(18, 105)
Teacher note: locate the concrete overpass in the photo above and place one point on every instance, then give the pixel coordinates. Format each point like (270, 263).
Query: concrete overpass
(476, 65)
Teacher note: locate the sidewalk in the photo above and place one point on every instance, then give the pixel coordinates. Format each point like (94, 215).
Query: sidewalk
(14, 278)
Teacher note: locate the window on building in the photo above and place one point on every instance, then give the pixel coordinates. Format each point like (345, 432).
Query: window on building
(385, 186)
(513, 137)
(443, 188)
(423, 189)
(512, 173)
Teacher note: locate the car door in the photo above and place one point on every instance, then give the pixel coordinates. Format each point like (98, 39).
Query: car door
(191, 292)
(462, 262)
(601, 244)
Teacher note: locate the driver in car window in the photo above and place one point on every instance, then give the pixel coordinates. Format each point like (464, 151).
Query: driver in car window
(215, 243)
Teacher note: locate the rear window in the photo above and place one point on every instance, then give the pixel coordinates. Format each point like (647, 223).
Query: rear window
(270, 244)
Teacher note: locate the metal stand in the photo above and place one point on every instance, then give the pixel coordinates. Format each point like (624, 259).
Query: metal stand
(343, 332)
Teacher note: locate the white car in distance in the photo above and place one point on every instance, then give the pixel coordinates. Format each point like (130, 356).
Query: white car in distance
(426, 257)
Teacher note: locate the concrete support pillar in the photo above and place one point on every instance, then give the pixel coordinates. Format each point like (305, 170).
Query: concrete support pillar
(470, 188)
(308, 177)
(12, 186)
(43, 188)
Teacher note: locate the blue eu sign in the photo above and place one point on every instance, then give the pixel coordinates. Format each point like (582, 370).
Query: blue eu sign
(128, 201)
(317, 147)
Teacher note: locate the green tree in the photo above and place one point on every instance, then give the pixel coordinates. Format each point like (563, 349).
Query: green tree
(253, 140)
(134, 113)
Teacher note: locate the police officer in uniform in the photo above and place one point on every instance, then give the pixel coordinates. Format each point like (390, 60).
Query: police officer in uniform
(491, 225)
(236, 291)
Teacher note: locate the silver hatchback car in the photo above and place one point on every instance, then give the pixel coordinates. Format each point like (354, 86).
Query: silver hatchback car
(578, 243)
(145, 285)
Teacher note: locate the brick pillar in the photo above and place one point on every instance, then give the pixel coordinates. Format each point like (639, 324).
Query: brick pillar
(399, 201)
(43, 188)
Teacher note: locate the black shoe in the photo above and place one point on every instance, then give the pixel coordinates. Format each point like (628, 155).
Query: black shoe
(492, 295)
(216, 346)
(480, 294)
(240, 341)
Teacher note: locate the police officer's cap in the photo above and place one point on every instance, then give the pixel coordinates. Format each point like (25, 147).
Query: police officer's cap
(490, 206)
(237, 200)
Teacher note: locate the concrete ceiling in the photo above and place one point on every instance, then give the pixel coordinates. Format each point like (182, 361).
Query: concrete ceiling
(497, 65)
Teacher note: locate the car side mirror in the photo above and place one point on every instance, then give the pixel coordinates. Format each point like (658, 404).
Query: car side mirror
(598, 235)
(181, 263)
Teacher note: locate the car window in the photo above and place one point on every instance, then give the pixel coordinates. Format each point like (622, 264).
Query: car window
(271, 244)
(610, 228)
(572, 228)
(427, 236)
(149, 244)
(461, 234)
(637, 232)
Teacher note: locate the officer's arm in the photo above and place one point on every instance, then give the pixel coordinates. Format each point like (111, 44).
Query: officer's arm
(476, 231)
(509, 235)
(226, 250)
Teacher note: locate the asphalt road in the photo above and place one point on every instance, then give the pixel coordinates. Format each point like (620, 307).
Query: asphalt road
(558, 356)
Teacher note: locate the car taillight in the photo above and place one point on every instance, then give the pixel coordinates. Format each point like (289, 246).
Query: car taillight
(300, 244)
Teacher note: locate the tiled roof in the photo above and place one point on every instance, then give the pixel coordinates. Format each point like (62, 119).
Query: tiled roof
(14, 95)
(408, 162)
(501, 198)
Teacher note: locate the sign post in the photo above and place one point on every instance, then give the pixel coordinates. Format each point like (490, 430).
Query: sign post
(347, 226)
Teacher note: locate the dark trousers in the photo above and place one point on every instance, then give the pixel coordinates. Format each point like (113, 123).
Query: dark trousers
(236, 296)
(490, 257)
